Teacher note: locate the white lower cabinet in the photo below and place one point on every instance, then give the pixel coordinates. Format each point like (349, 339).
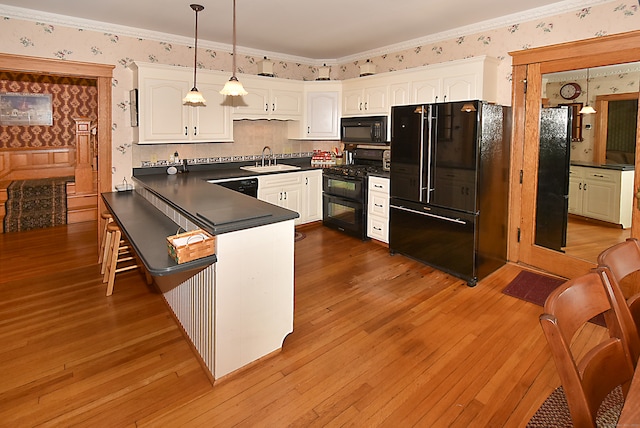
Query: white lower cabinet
(297, 191)
(378, 209)
(311, 196)
(602, 194)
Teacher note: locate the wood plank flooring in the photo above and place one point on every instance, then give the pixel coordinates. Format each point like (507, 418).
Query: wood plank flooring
(378, 340)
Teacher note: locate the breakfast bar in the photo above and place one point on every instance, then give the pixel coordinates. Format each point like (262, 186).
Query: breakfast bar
(235, 306)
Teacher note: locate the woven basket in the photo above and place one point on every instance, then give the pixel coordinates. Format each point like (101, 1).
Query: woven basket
(202, 247)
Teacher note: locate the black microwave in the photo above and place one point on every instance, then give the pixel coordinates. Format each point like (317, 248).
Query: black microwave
(364, 130)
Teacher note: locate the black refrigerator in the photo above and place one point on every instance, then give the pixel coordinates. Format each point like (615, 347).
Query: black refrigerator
(552, 202)
(449, 186)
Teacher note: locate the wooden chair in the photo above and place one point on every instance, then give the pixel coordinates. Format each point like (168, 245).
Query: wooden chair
(589, 379)
(621, 260)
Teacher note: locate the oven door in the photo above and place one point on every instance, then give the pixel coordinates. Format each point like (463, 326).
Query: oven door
(346, 187)
(343, 214)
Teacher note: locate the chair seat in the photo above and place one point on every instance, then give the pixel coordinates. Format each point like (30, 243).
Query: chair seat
(554, 412)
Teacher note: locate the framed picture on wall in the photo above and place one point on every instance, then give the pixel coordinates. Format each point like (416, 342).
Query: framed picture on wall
(25, 109)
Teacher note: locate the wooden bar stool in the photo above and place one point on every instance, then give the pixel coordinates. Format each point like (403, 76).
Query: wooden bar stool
(118, 258)
(104, 245)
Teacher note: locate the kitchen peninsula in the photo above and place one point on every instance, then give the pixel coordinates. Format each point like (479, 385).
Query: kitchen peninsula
(240, 308)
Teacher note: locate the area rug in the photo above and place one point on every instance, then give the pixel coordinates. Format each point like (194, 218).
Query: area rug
(554, 412)
(535, 288)
(35, 204)
(532, 287)
(299, 236)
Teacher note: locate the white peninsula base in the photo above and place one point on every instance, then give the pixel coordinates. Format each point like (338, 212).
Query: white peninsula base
(240, 308)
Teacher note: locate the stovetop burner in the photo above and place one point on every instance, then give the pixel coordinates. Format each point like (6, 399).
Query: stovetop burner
(354, 170)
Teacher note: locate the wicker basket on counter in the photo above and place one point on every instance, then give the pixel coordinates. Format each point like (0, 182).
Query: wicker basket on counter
(192, 245)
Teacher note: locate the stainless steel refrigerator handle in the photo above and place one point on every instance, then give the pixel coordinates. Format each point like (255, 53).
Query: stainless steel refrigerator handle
(420, 172)
(429, 145)
(453, 220)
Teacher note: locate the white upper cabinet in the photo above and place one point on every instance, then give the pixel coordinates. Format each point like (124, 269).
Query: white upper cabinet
(364, 97)
(162, 118)
(399, 94)
(466, 79)
(269, 98)
(321, 119)
(427, 90)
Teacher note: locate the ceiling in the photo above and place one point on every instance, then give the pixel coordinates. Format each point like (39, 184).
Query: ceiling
(327, 30)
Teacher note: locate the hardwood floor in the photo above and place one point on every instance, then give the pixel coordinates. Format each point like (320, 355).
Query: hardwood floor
(378, 340)
(586, 238)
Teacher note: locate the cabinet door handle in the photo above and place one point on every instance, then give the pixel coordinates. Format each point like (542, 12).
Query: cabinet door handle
(285, 196)
(436, 100)
(273, 107)
(598, 175)
(360, 106)
(445, 98)
(186, 130)
(195, 130)
(378, 205)
(306, 181)
(266, 107)
(366, 106)
(280, 195)
(378, 186)
(308, 130)
(377, 228)
(580, 186)
(585, 187)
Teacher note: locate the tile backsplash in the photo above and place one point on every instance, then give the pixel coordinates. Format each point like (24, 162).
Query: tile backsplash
(250, 137)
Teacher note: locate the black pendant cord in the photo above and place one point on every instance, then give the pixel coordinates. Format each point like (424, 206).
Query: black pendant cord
(197, 8)
(234, 39)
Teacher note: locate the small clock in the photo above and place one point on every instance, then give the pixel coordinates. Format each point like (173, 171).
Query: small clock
(570, 91)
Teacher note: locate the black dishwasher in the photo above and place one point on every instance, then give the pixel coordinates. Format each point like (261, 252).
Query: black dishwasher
(248, 186)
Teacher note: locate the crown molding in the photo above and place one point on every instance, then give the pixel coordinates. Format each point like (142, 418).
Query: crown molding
(492, 24)
(137, 33)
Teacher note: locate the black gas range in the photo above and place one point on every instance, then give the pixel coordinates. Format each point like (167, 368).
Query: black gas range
(345, 191)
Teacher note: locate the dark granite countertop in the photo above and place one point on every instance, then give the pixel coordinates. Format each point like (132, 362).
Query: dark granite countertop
(146, 229)
(613, 166)
(210, 206)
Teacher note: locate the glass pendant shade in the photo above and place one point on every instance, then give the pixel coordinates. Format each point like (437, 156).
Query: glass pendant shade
(587, 110)
(194, 98)
(233, 87)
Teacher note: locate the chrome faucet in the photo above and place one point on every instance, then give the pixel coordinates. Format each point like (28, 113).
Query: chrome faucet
(269, 156)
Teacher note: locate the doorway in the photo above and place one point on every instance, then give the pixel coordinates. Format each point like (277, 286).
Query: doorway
(529, 68)
(103, 74)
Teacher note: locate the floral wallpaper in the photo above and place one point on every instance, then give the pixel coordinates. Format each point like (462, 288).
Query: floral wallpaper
(55, 41)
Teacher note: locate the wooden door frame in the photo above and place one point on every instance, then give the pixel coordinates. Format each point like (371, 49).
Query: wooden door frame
(528, 67)
(103, 74)
(602, 120)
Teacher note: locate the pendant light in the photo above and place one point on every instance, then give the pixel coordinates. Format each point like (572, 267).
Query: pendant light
(587, 109)
(194, 97)
(233, 87)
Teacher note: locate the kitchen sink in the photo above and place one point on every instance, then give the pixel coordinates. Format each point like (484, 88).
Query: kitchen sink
(270, 168)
